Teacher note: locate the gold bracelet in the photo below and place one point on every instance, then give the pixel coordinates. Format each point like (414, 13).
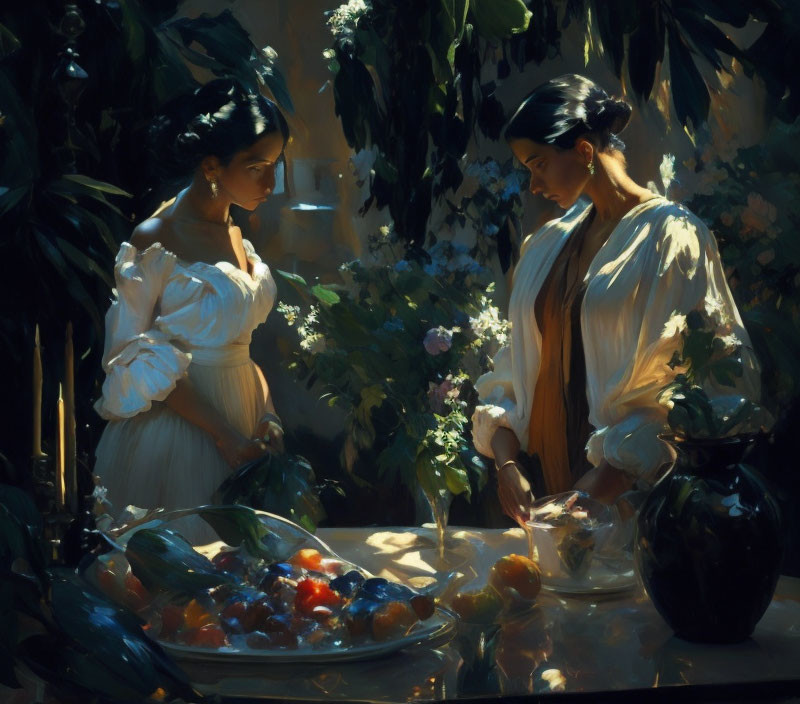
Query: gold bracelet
(505, 464)
(271, 418)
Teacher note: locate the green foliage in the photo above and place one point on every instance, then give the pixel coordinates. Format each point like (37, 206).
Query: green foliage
(707, 354)
(408, 84)
(748, 197)
(282, 484)
(397, 351)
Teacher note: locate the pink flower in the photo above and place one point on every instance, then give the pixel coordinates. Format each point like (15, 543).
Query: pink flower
(759, 213)
(766, 257)
(439, 393)
(438, 340)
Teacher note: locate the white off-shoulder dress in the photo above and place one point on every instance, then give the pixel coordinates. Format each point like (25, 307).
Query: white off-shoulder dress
(171, 319)
(660, 260)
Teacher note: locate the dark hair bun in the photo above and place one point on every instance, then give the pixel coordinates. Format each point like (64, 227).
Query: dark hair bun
(610, 114)
(219, 118)
(565, 108)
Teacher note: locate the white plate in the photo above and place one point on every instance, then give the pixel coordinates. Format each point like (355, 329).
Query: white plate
(432, 632)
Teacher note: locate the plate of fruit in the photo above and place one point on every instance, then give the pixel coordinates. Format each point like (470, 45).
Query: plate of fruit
(268, 592)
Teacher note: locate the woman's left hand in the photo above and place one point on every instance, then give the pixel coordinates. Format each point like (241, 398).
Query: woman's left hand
(271, 433)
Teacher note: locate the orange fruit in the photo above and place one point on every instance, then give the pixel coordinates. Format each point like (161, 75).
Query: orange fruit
(481, 606)
(392, 620)
(208, 636)
(308, 558)
(517, 572)
(196, 616)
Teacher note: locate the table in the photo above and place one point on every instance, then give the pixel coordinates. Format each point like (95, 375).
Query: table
(614, 644)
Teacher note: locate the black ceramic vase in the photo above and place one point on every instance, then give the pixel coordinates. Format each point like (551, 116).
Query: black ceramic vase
(708, 544)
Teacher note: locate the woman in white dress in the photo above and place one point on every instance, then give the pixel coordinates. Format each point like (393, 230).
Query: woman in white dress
(185, 403)
(576, 387)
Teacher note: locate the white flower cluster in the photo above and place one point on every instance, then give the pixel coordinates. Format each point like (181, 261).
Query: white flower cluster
(489, 325)
(291, 313)
(342, 20)
(311, 340)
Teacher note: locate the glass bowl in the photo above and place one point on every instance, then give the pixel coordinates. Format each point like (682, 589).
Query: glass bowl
(578, 547)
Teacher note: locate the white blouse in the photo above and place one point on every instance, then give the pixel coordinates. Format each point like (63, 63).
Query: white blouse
(659, 260)
(168, 313)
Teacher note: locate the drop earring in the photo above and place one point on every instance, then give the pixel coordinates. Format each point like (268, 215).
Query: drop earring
(590, 166)
(212, 184)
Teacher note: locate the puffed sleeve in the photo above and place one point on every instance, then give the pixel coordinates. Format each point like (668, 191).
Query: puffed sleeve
(681, 272)
(140, 362)
(498, 404)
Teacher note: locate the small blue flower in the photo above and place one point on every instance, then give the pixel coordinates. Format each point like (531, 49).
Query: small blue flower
(394, 325)
(402, 265)
(432, 269)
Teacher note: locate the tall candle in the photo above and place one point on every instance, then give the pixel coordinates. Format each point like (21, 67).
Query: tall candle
(70, 450)
(37, 397)
(60, 485)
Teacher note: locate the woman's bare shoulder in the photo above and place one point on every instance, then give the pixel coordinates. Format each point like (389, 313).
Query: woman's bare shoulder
(155, 229)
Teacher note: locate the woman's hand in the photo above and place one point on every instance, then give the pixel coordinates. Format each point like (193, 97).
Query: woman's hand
(270, 432)
(514, 492)
(236, 449)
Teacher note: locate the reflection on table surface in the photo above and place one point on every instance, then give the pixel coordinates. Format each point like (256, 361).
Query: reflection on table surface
(564, 644)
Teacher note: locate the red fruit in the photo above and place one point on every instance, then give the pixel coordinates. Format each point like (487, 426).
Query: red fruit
(237, 609)
(132, 583)
(229, 561)
(109, 583)
(423, 606)
(209, 636)
(133, 601)
(312, 593)
(308, 558)
(256, 614)
(171, 620)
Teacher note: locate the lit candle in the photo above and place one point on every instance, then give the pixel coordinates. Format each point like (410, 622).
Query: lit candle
(70, 450)
(37, 397)
(60, 487)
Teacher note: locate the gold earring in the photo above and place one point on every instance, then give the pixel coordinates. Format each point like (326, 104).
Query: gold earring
(590, 166)
(214, 187)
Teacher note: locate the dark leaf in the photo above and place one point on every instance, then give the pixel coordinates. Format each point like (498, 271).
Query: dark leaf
(609, 14)
(281, 484)
(107, 647)
(735, 13)
(689, 91)
(645, 51)
(239, 525)
(165, 562)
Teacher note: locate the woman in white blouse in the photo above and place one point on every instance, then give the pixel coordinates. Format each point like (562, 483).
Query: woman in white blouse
(184, 401)
(592, 295)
